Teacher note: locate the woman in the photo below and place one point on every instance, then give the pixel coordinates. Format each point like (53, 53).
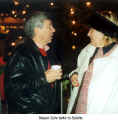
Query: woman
(95, 78)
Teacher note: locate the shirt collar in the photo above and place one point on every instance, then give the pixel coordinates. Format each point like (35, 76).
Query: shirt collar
(43, 52)
(108, 48)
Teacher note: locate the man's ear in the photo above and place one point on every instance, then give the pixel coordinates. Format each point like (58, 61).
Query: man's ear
(37, 30)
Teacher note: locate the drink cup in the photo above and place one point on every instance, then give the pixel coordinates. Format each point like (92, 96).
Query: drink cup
(55, 67)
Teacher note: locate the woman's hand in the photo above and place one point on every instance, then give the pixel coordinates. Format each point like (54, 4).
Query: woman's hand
(74, 80)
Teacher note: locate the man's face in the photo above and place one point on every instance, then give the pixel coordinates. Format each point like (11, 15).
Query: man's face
(45, 34)
(95, 36)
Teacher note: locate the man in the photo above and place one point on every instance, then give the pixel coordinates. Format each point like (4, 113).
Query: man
(95, 78)
(31, 85)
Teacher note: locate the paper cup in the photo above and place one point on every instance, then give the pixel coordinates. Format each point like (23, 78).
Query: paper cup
(55, 67)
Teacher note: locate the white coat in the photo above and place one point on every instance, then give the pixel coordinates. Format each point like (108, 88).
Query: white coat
(103, 89)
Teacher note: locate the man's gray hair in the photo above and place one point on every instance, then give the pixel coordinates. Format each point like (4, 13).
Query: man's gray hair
(35, 20)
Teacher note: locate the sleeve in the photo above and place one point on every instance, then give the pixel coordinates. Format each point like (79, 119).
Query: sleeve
(74, 90)
(22, 81)
(78, 65)
(20, 71)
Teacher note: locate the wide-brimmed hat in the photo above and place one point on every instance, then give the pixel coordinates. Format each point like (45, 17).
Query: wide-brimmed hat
(103, 25)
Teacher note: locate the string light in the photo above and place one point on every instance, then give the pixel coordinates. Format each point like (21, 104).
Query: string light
(7, 31)
(16, 3)
(27, 5)
(13, 44)
(18, 12)
(52, 3)
(73, 22)
(13, 12)
(75, 34)
(9, 53)
(73, 47)
(15, 15)
(110, 12)
(20, 37)
(72, 11)
(2, 27)
(24, 12)
(88, 4)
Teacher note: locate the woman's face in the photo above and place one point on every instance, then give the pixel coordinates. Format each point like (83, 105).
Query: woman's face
(95, 36)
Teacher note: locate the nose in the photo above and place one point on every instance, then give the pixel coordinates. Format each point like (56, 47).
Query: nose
(88, 33)
(53, 29)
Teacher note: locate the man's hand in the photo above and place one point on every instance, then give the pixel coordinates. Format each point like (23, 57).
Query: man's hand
(74, 80)
(53, 75)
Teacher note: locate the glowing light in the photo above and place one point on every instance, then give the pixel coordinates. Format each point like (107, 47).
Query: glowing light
(9, 53)
(15, 15)
(88, 4)
(73, 22)
(73, 47)
(27, 5)
(13, 44)
(72, 11)
(16, 3)
(2, 27)
(110, 12)
(52, 4)
(75, 34)
(20, 37)
(24, 12)
(7, 31)
(13, 12)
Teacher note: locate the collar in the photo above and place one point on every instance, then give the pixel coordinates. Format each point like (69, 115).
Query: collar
(33, 47)
(108, 48)
(43, 52)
